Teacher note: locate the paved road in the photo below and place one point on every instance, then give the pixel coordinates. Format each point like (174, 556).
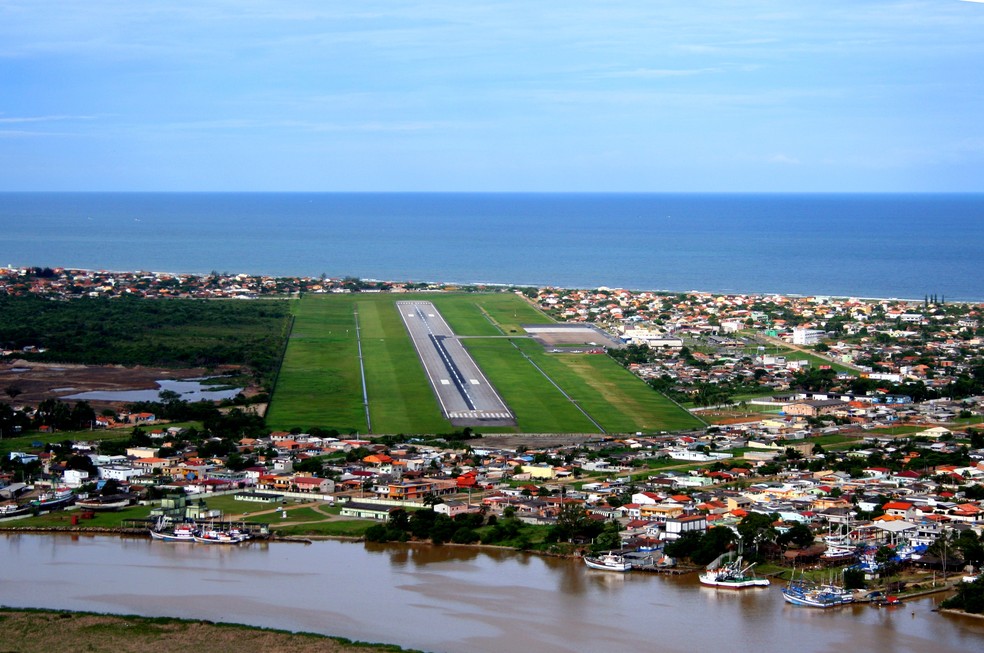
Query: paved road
(465, 395)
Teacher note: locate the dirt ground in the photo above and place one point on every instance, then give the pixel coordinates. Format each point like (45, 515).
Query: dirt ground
(43, 632)
(39, 381)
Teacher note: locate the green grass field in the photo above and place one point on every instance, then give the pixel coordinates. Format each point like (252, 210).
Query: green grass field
(320, 382)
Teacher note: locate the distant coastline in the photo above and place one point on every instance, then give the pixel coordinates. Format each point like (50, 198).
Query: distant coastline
(433, 285)
(836, 245)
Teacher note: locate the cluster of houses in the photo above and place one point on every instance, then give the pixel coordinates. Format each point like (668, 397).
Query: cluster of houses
(876, 505)
(892, 341)
(66, 283)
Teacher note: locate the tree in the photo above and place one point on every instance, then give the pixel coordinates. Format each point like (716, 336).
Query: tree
(573, 522)
(431, 500)
(799, 535)
(756, 530)
(609, 538)
(83, 463)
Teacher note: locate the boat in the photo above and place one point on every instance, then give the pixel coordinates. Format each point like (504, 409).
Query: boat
(887, 601)
(805, 593)
(13, 510)
(179, 533)
(218, 536)
(106, 503)
(608, 562)
(732, 575)
(54, 498)
(838, 552)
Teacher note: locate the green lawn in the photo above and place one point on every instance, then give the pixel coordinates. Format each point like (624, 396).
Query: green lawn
(25, 442)
(320, 382)
(538, 405)
(63, 518)
(613, 396)
(335, 528)
(400, 398)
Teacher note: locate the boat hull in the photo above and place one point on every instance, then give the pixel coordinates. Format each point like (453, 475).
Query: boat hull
(712, 580)
(171, 537)
(608, 563)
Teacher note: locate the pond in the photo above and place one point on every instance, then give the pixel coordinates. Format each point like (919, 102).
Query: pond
(191, 390)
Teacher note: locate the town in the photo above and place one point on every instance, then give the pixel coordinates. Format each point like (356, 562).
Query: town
(848, 431)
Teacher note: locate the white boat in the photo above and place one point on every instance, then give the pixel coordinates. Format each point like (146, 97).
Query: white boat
(216, 536)
(608, 562)
(12, 510)
(113, 502)
(179, 533)
(732, 576)
(838, 552)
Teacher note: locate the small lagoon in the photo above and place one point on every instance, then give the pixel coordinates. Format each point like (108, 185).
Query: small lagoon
(190, 390)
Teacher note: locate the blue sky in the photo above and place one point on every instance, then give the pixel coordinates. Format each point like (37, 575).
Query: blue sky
(651, 96)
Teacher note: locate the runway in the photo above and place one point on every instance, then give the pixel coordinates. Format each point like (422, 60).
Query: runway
(466, 397)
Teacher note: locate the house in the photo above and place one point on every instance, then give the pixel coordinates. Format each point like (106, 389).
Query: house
(75, 477)
(452, 508)
(313, 485)
(677, 526)
(367, 510)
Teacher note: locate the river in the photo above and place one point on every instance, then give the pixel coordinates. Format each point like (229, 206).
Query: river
(449, 598)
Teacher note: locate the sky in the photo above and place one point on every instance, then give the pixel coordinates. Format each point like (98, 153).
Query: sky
(600, 96)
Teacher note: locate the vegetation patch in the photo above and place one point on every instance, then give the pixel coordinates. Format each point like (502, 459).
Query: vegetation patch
(157, 333)
(38, 631)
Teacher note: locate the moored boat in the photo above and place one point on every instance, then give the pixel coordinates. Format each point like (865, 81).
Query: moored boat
(217, 536)
(811, 595)
(608, 562)
(177, 533)
(732, 575)
(54, 498)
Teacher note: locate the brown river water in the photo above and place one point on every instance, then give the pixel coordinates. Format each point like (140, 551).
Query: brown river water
(450, 599)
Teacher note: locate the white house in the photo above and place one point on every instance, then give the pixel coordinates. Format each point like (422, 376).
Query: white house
(75, 477)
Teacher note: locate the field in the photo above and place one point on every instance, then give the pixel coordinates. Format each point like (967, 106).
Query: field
(30, 631)
(320, 382)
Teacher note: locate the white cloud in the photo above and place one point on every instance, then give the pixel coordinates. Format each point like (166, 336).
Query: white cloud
(783, 159)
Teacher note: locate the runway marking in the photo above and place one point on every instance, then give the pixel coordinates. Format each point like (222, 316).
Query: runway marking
(427, 324)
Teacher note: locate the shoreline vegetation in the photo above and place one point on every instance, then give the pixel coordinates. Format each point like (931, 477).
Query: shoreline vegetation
(29, 630)
(287, 285)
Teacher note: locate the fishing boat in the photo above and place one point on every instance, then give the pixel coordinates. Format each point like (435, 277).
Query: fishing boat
(177, 533)
(54, 498)
(608, 562)
(732, 575)
(805, 593)
(219, 536)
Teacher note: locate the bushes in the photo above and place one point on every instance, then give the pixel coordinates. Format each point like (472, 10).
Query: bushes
(130, 331)
(467, 528)
(969, 597)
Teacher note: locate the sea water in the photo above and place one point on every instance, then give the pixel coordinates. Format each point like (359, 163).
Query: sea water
(878, 245)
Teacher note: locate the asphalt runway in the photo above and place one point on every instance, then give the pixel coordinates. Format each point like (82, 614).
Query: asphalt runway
(465, 395)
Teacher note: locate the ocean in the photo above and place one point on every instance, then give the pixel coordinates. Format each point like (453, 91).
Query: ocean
(878, 245)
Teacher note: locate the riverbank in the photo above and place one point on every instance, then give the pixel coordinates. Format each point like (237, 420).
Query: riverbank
(42, 631)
